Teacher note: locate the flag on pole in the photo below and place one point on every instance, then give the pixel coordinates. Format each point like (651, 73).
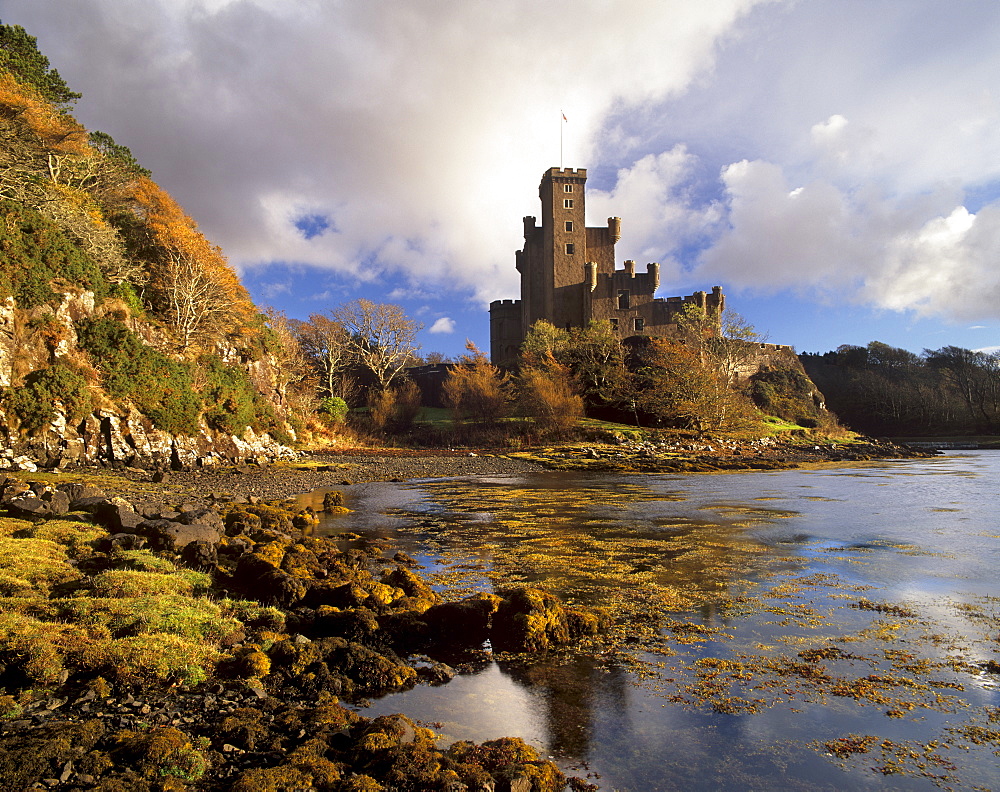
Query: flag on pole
(564, 118)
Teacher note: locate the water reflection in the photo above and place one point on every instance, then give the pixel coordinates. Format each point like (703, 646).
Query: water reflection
(794, 608)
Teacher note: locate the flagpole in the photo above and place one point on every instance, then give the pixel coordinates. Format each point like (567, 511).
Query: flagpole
(562, 120)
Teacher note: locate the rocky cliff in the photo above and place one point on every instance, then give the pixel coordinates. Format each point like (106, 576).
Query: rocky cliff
(107, 430)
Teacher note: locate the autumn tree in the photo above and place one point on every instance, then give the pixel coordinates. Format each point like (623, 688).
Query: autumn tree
(382, 338)
(675, 386)
(595, 356)
(592, 356)
(290, 367)
(192, 284)
(476, 390)
(544, 342)
(726, 342)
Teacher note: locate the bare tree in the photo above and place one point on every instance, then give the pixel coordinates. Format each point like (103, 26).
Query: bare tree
(383, 338)
(290, 364)
(727, 342)
(326, 343)
(198, 304)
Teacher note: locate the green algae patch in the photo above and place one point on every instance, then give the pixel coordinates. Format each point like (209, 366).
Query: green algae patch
(141, 620)
(128, 583)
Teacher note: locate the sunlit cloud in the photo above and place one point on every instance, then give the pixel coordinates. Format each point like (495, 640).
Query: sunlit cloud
(442, 325)
(827, 147)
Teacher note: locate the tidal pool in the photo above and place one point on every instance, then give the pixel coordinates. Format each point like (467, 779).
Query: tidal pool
(833, 628)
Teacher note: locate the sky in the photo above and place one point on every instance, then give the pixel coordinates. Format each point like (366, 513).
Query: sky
(834, 165)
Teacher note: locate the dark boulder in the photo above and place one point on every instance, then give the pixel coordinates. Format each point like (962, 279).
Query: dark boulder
(28, 507)
(58, 502)
(466, 622)
(175, 536)
(200, 553)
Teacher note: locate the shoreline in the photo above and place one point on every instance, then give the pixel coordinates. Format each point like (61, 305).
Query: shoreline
(358, 616)
(346, 467)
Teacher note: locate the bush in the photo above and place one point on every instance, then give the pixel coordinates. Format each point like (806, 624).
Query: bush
(229, 396)
(160, 387)
(788, 394)
(334, 410)
(33, 403)
(396, 409)
(126, 293)
(35, 252)
(476, 390)
(547, 396)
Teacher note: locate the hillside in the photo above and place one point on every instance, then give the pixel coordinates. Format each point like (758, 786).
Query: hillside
(125, 336)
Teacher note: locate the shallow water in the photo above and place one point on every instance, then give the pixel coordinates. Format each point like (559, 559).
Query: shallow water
(769, 621)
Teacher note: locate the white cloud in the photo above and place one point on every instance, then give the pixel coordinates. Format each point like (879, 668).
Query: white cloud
(418, 129)
(657, 215)
(827, 146)
(271, 290)
(442, 325)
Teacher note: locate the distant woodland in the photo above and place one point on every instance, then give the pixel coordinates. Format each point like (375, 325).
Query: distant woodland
(883, 390)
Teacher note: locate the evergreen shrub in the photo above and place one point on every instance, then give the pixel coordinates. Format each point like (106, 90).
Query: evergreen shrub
(34, 402)
(35, 252)
(334, 410)
(160, 387)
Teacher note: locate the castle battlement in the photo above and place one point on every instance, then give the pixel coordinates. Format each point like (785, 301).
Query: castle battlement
(578, 173)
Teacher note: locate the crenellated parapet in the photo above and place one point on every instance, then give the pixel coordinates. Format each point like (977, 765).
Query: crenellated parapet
(529, 227)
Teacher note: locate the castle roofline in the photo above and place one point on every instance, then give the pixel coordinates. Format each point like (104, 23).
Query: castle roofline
(578, 173)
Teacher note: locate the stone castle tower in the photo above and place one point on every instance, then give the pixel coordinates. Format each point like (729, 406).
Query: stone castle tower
(569, 276)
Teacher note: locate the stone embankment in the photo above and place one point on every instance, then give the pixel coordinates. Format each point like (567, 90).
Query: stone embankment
(208, 642)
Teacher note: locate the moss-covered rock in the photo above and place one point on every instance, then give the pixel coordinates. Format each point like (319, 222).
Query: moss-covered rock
(528, 620)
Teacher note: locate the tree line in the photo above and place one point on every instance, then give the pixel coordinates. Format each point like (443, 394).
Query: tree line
(357, 355)
(880, 389)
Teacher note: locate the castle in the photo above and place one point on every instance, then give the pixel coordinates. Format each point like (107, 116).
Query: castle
(569, 276)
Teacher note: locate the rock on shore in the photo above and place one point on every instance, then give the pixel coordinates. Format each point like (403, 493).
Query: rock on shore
(182, 645)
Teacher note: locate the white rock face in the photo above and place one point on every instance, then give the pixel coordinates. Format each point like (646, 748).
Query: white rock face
(7, 314)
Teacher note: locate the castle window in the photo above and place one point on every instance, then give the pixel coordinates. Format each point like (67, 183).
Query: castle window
(567, 188)
(567, 203)
(614, 323)
(638, 324)
(570, 248)
(569, 226)
(623, 300)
